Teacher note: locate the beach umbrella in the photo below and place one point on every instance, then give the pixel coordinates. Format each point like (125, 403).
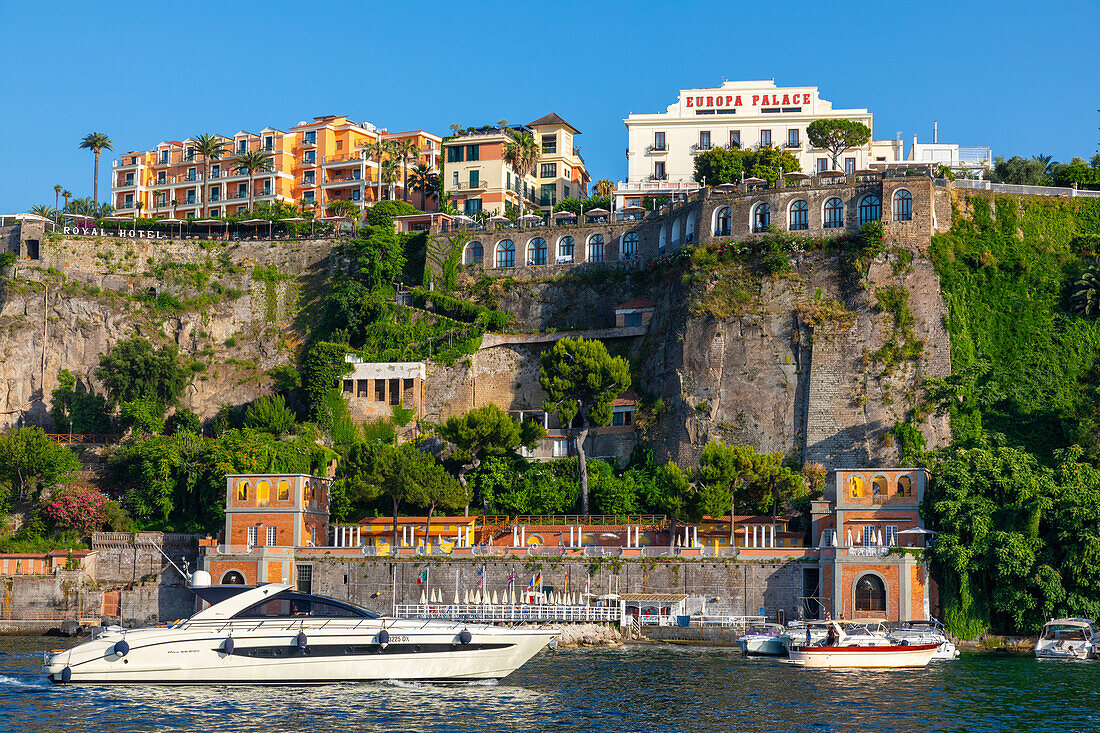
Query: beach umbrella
(494, 598)
(880, 538)
(466, 597)
(456, 597)
(423, 598)
(512, 597)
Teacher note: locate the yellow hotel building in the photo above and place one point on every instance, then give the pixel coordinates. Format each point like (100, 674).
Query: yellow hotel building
(314, 162)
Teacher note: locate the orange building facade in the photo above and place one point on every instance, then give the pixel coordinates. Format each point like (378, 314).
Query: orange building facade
(318, 162)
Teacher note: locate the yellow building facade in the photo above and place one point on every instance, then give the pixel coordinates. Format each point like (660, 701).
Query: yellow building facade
(316, 163)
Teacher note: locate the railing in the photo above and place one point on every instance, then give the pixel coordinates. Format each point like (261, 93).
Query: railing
(341, 158)
(869, 551)
(84, 438)
(659, 520)
(1021, 189)
(657, 149)
(508, 613)
(737, 622)
(308, 141)
(475, 186)
(81, 617)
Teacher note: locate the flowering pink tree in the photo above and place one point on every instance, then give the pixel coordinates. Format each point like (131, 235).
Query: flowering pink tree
(78, 508)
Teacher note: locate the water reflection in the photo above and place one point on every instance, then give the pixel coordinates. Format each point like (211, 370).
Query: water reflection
(648, 688)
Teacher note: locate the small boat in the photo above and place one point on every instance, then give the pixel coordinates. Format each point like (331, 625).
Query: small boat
(762, 640)
(807, 633)
(1068, 638)
(925, 632)
(273, 634)
(862, 648)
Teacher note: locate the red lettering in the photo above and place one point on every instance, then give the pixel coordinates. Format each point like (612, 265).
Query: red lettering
(805, 99)
(786, 99)
(755, 99)
(729, 99)
(710, 101)
(775, 99)
(738, 102)
(689, 102)
(698, 101)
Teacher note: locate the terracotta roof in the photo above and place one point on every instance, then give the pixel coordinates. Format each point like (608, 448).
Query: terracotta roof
(629, 397)
(552, 119)
(640, 302)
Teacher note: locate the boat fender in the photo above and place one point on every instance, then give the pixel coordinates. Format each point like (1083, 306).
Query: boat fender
(66, 675)
(465, 636)
(121, 648)
(228, 645)
(383, 637)
(905, 642)
(301, 641)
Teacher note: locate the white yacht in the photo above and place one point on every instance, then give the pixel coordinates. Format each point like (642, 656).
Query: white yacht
(926, 632)
(762, 641)
(1068, 638)
(273, 634)
(869, 632)
(852, 645)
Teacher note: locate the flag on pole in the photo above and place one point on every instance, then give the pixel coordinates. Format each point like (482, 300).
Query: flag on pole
(587, 583)
(511, 580)
(422, 579)
(538, 580)
(566, 588)
(481, 578)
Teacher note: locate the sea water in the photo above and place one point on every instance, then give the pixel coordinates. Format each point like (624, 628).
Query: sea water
(623, 689)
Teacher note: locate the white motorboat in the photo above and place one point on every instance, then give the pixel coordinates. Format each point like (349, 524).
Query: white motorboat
(762, 640)
(925, 632)
(861, 648)
(1068, 638)
(273, 634)
(807, 633)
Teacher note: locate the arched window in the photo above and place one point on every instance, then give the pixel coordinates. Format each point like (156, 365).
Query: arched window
(834, 213)
(263, 493)
(242, 490)
(676, 233)
(595, 248)
(722, 222)
(689, 229)
(761, 216)
(475, 253)
(232, 578)
(855, 487)
(536, 251)
(879, 491)
(588, 540)
(662, 242)
(903, 205)
(800, 216)
(535, 540)
(565, 249)
(870, 209)
(506, 253)
(870, 594)
(905, 485)
(284, 490)
(630, 245)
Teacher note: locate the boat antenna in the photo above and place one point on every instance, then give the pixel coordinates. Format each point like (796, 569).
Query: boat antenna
(186, 576)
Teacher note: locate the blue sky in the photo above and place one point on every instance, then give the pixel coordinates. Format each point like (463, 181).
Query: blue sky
(1020, 77)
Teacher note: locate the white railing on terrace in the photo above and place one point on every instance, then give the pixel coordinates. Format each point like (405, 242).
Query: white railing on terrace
(508, 613)
(660, 185)
(1017, 188)
(874, 551)
(736, 622)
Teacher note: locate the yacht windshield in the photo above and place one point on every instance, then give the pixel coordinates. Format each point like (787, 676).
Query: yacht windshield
(292, 605)
(1068, 633)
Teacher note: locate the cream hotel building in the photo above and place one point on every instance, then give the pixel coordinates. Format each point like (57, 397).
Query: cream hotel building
(745, 114)
(315, 162)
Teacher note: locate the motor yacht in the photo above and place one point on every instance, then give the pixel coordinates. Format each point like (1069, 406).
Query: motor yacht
(807, 633)
(925, 632)
(1068, 638)
(273, 634)
(847, 646)
(762, 640)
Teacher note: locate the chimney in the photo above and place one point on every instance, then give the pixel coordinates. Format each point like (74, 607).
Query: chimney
(935, 131)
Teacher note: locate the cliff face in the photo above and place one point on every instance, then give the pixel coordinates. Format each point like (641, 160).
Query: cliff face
(229, 310)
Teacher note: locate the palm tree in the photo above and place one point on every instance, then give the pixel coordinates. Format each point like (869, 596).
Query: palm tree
(426, 181)
(604, 187)
(138, 205)
(409, 151)
(379, 150)
(390, 173)
(1086, 291)
(44, 210)
(210, 147)
(97, 142)
(56, 201)
(66, 195)
(175, 203)
(253, 162)
(521, 154)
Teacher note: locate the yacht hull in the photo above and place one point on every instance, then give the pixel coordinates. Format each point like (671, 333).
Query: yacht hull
(289, 653)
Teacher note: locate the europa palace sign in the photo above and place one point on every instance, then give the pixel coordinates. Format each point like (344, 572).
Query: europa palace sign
(721, 99)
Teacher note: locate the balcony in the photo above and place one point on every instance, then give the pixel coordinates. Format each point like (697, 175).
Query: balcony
(470, 186)
(342, 180)
(309, 161)
(795, 145)
(308, 143)
(331, 160)
(308, 182)
(655, 149)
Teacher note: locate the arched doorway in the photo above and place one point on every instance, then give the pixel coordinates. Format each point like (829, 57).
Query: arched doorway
(232, 578)
(870, 594)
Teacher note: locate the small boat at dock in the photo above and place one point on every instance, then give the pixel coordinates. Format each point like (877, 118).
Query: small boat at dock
(762, 640)
(859, 647)
(926, 632)
(1068, 638)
